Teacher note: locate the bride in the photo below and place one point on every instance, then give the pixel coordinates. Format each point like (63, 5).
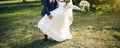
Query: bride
(58, 28)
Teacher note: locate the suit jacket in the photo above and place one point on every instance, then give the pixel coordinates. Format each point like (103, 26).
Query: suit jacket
(48, 6)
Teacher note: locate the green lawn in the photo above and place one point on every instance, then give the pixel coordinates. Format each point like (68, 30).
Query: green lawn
(16, 1)
(18, 29)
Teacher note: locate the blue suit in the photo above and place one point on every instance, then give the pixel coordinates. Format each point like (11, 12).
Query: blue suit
(48, 6)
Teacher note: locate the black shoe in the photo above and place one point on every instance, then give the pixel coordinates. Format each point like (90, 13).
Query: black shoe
(45, 37)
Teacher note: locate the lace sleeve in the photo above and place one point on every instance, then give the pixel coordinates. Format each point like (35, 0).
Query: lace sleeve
(58, 1)
(74, 6)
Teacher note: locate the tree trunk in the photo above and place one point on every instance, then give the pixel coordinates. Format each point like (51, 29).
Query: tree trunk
(24, 1)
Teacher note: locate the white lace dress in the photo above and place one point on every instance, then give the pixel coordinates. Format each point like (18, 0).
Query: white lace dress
(58, 28)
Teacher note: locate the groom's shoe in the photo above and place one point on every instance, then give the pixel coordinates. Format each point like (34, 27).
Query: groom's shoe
(45, 37)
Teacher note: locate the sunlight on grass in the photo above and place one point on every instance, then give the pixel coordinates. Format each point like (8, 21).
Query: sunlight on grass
(16, 1)
(4, 2)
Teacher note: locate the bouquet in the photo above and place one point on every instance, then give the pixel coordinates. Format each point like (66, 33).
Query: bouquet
(84, 4)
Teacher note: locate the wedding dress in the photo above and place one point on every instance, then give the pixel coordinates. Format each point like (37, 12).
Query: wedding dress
(58, 28)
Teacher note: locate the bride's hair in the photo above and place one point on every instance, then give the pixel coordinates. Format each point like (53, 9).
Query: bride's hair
(66, 1)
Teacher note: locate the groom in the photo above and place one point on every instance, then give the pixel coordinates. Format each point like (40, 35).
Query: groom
(49, 5)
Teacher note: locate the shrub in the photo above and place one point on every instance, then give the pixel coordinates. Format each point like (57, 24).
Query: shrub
(103, 5)
(116, 35)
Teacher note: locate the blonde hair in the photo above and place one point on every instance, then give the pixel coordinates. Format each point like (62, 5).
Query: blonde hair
(66, 2)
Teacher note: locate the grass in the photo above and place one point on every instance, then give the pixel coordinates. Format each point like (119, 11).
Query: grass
(18, 29)
(17, 2)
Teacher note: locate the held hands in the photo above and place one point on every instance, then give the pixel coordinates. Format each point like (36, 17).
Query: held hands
(50, 16)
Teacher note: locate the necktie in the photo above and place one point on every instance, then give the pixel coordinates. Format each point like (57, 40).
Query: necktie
(53, 1)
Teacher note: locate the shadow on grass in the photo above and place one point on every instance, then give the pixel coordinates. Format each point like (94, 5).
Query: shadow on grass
(6, 20)
(6, 24)
(39, 44)
(11, 26)
(7, 27)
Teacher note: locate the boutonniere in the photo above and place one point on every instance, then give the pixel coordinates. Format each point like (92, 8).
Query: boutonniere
(52, 1)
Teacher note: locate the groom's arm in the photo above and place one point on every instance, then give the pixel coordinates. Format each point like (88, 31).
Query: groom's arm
(56, 5)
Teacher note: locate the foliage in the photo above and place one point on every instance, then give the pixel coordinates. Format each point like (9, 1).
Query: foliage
(116, 6)
(100, 9)
(76, 2)
(102, 5)
(117, 35)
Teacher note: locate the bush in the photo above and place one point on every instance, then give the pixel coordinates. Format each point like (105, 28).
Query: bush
(116, 6)
(104, 5)
(76, 2)
(116, 35)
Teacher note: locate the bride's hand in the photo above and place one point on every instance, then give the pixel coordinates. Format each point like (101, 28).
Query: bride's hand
(83, 9)
(50, 16)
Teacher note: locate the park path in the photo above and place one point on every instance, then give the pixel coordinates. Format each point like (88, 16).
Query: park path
(21, 4)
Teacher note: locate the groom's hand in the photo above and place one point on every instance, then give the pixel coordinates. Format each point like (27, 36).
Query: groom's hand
(50, 16)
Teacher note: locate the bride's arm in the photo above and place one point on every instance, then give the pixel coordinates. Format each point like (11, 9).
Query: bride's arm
(77, 8)
(58, 1)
